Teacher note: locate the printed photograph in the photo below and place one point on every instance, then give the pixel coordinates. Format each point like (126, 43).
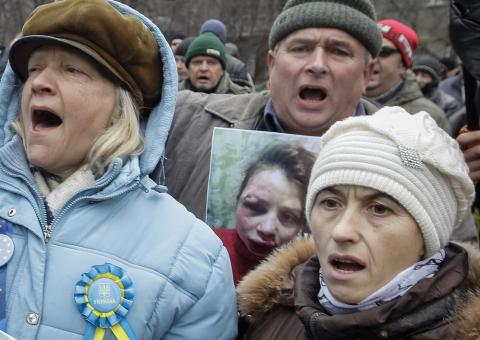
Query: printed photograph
(251, 172)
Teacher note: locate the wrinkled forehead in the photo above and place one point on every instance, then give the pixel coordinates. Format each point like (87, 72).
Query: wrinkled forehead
(204, 58)
(70, 53)
(323, 34)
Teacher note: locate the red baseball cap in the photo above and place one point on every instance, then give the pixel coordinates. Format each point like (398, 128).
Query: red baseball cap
(402, 36)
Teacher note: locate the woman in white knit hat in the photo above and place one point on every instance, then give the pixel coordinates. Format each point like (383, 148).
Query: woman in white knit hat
(384, 196)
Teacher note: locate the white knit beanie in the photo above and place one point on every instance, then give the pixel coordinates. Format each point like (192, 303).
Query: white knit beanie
(405, 156)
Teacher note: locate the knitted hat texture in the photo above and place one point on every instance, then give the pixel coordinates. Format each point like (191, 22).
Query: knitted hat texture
(356, 17)
(206, 44)
(405, 156)
(216, 27)
(402, 36)
(430, 64)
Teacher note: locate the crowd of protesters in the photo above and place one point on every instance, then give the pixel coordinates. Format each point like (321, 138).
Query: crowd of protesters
(105, 154)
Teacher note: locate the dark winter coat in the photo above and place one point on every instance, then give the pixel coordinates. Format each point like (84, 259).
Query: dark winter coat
(225, 86)
(412, 100)
(454, 87)
(465, 33)
(278, 300)
(452, 108)
(238, 72)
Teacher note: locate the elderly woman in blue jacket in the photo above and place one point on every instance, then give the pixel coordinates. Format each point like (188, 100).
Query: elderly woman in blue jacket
(90, 247)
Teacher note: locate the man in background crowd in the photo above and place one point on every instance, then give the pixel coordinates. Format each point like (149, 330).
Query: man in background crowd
(205, 61)
(392, 82)
(429, 71)
(176, 40)
(452, 66)
(453, 81)
(319, 64)
(235, 67)
(180, 52)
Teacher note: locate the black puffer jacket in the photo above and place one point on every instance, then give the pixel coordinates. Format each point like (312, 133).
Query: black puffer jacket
(465, 32)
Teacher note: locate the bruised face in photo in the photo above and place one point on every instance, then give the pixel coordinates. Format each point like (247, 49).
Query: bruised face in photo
(269, 211)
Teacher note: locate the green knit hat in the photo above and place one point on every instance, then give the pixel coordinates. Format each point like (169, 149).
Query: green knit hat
(356, 17)
(206, 44)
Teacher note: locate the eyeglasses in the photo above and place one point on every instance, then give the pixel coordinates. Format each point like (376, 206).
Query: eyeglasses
(386, 51)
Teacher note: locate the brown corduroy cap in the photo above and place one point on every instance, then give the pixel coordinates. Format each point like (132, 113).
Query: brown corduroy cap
(120, 43)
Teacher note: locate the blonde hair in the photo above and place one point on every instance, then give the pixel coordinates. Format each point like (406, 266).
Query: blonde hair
(121, 138)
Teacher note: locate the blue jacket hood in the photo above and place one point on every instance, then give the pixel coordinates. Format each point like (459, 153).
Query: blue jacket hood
(158, 124)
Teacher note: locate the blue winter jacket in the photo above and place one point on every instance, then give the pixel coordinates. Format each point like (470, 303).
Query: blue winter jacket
(180, 270)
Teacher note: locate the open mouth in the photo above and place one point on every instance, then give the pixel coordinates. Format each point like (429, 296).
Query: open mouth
(346, 265)
(44, 119)
(313, 94)
(261, 248)
(203, 78)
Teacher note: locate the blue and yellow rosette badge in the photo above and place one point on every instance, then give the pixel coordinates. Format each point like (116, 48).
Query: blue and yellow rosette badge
(103, 296)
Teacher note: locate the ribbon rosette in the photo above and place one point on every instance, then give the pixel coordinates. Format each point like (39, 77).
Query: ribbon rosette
(103, 296)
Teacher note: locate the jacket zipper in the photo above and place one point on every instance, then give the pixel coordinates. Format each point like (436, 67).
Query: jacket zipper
(50, 228)
(47, 233)
(40, 209)
(42, 213)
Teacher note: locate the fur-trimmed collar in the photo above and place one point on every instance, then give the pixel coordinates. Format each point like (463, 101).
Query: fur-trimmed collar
(271, 284)
(468, 314)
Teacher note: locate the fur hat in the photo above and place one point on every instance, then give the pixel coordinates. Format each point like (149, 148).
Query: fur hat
(405, 156)
(402, 36)
(121, 44)
(206, 44)
(356, 17)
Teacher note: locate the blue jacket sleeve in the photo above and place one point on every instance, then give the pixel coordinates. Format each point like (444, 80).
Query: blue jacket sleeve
(214, 315)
